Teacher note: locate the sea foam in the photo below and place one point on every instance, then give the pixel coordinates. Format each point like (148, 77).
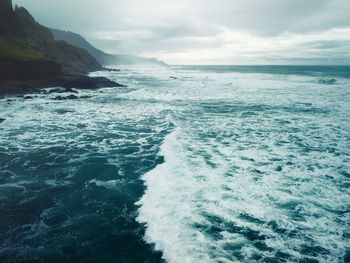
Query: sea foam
(255, 176)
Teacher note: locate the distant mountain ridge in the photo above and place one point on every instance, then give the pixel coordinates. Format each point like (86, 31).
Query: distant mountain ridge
(77, 40)
(102, 57)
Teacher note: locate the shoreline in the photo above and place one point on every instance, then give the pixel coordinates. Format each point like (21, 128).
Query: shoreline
(66, 82)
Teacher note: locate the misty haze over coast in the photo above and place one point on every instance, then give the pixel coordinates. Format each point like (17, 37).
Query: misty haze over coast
(208, 32)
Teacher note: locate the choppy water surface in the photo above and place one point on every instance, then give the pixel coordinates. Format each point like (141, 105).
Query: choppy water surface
(187, 164)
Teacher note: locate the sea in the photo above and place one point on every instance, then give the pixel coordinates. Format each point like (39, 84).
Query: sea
(187, 164)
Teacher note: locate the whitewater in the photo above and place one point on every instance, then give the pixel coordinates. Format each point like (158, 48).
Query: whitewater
(186, 164)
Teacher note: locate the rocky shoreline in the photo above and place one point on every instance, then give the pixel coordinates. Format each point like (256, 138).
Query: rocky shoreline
(64, 84)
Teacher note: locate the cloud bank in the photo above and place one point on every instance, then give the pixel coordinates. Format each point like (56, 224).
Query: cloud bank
(206, 31)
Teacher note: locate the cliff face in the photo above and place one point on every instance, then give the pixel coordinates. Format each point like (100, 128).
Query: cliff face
(18, 23)
(102, 57)
(5, 6)
(78, 41)
(72, 59)
(29, 70)
(23, 39)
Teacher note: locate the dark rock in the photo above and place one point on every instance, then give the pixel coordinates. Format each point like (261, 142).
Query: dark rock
(1, 120)
(62, 90)
(66, 84)
(91, 83)
(72, 97)
(279, 168)
(64, 111)
(85, 97)
(16, 88)
(58, 98)
(172, 77)
(56, 90)
(29, 70)
(69, 97)
(71, 90)
(111, 69)
(8, 100)
(28, 97)
(6, 5)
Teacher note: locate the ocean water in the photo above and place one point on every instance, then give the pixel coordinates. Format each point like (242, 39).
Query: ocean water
(187, 164)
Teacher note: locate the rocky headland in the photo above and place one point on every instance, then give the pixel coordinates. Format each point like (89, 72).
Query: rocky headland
(31, 59)
(67, 83)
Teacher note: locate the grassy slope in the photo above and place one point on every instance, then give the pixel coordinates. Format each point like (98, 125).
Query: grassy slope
(19, 49)
(23, 39)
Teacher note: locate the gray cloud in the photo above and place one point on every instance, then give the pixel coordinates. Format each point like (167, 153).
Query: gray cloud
(182, 30)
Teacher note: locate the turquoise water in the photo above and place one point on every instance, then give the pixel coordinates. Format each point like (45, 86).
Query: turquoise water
(186, 164)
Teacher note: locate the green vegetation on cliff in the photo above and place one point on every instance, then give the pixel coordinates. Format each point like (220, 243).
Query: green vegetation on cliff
(23, 39)
(18, 49)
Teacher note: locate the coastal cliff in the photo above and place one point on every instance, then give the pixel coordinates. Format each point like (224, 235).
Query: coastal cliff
(31, 59)
(102, 57)
(25, 42)
(29, 70)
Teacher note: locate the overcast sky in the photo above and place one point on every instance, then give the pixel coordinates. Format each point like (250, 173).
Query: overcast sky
(208, 31)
